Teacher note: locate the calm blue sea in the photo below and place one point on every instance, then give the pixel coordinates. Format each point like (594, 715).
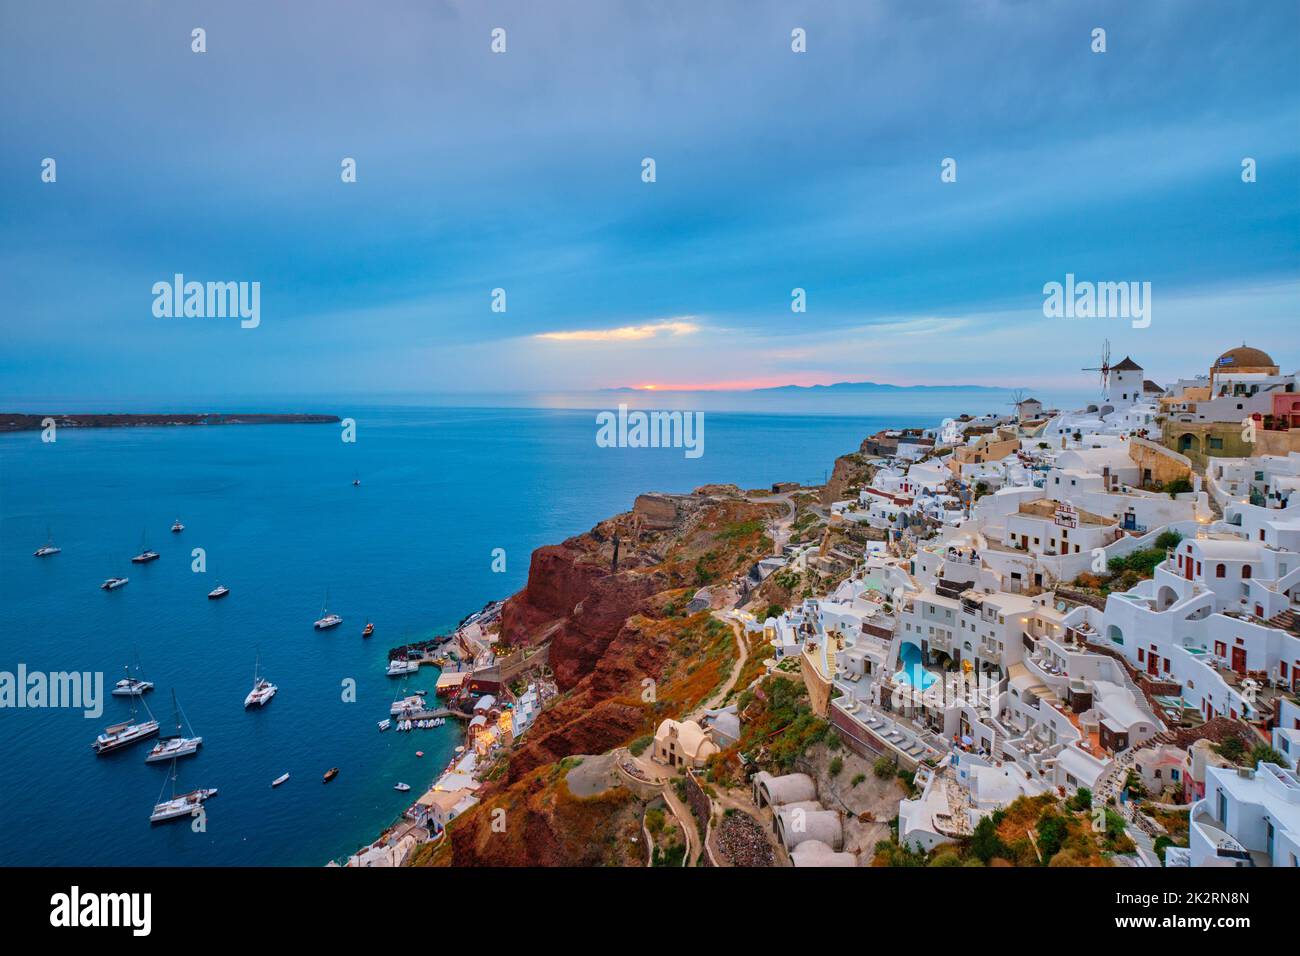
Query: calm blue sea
(275, 509)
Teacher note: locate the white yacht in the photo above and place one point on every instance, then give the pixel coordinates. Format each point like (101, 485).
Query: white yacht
(263, 690)
(182, 806)
(126, 733)
(406, 705)
(327, 620)
(279, 780)
(48, 548)
(130, 686)
(112, 584)
(219, 591)
(177, 744)
(400, 667)
(402, 787)
(177, 527)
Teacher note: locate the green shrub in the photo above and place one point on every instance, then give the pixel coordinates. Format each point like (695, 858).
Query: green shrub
(638, 746)
(837, 764)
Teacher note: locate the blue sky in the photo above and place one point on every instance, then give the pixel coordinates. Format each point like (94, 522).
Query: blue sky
(522, 171)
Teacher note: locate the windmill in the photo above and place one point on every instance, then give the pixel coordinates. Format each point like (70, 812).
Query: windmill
(1105, 367)
(1017, 396)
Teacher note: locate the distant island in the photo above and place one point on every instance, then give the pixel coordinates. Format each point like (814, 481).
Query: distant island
(835, 387)
(16, 422)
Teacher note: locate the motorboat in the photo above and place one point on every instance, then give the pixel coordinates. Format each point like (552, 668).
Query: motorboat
(279, 780)
(330, 774)
(112, 584)
(219, 591)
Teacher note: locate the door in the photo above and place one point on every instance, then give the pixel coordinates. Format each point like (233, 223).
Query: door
(1239, 660)
(1153, 661)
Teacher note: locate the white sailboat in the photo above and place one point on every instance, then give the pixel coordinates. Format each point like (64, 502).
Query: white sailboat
(263, 690)
(47, 549)
(177, 744)
(182, 806)
(130, 686)
(327, 620)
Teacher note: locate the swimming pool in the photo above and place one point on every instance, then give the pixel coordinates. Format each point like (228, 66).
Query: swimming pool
(909, 655)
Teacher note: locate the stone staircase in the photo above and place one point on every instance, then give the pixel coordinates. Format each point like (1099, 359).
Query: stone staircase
(1286, 620)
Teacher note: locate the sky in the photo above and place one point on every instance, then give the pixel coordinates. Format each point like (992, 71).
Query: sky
(522, 171)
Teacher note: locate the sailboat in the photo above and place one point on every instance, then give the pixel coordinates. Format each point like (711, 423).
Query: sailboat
(263, 690)
(327, 620)
(47, 549)
(177, 527)
(175, 745)
(182, 806)
(145, 555)
(127, 733)
(130, 686)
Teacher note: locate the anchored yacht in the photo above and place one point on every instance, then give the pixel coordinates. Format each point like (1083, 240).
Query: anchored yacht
(112, 584)
(177, 744)
(219, 591)
(263, 690)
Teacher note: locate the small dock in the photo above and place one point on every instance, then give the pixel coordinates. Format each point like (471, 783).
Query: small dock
(431, 714)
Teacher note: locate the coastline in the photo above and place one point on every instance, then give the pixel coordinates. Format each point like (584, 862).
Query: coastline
(26, 422)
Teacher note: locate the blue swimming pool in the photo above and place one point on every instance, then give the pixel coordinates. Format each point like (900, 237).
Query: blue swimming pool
(909, 655)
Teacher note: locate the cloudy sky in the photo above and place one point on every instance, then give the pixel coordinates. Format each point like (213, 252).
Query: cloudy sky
(523, 171)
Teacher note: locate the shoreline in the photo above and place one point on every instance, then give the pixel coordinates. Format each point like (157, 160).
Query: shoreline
(26, 422)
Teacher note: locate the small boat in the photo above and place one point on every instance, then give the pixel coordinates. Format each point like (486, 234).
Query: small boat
(177, 744)
(385, 724)
(112, 584)
(177, 527)
(146, 555)
(183, 806)
(402, 787)
(330, 774)
(367, 630)
(263, 690)
(48, 548)
(279, 780)
(219, 591)
(130, 686)
(356, 482)
(327, 620)
(419, 753)
(127, 733)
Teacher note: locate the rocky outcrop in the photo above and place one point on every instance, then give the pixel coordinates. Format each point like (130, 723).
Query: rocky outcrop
(851, 471)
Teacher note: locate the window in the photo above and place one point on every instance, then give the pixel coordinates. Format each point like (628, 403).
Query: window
(1217, 442)
(1245, 571)
(1221, 571)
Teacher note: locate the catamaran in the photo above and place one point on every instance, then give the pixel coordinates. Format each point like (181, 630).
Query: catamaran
(263, 690)
(112, 584)
(130, 686)
(399, 667)
(127, 733)
(327, 620)
(145, 555)
(48, 548)
(178, 744)
(219, 591)
(183, 806)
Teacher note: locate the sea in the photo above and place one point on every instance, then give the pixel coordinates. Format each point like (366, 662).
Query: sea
(275, 515)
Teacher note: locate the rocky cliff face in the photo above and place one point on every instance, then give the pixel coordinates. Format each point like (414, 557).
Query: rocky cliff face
(851, 471)
(608, 632)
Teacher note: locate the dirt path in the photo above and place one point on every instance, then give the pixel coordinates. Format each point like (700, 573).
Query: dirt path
(742, 647)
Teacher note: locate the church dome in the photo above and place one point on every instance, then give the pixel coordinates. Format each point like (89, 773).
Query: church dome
(1244, 357)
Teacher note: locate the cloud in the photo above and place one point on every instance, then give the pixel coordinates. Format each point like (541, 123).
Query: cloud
(625, 333)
